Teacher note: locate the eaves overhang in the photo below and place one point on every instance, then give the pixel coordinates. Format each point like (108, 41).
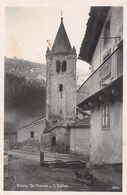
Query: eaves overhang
(94, 27)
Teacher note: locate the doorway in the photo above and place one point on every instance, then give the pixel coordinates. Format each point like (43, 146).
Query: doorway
(53, 141)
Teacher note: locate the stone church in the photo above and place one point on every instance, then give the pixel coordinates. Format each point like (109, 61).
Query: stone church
(61, 77)
(61, 88)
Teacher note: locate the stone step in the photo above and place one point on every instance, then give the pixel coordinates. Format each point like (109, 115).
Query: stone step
(67, 164)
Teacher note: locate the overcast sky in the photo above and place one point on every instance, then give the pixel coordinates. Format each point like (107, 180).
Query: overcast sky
(27, 30)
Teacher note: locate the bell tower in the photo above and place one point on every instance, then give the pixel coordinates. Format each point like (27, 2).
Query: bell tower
(61, 77)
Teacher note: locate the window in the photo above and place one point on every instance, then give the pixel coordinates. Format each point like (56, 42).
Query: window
(64, 66)
(60, 111)
(32, 134)
(105, 117)
(105, 70)
(106, 32)
(53, 141)
(61, 89)
(58, 66)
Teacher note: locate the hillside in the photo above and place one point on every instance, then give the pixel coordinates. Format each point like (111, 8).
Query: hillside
(27, 69)
(25, 92)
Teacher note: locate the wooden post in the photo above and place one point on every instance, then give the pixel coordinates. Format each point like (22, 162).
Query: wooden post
(41, 158)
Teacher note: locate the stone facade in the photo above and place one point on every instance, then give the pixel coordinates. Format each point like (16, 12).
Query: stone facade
(61, 92)
(57, 140)
(61, 77)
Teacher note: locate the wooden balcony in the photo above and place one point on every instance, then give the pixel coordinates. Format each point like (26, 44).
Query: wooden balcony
(109, 71)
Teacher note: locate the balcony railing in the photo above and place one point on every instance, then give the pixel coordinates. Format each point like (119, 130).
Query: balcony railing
(110, 70)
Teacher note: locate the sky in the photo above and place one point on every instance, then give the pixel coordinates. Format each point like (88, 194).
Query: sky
(27, 30)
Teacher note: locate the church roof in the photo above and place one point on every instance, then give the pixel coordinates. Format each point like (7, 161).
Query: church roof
(61, 43)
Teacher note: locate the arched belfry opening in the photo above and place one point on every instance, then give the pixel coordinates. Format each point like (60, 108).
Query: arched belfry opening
(64, 66)
(57, 66)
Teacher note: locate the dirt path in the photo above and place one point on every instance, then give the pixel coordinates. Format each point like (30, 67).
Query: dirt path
(47, 156)
(26, 174)
(29, 176)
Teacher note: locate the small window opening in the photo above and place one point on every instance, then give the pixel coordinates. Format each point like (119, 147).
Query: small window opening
(60, 111)
(53, 141)
(61, 89)
(64, 66)
(105, 117)
(32, 134)
(58, 66)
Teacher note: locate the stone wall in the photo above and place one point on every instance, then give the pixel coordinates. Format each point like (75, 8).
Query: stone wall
(80, 142)
(56, 140)
(55, 105)
(106, 145)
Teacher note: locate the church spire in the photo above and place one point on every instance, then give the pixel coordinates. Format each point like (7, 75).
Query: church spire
(61, 16)
(61, 43)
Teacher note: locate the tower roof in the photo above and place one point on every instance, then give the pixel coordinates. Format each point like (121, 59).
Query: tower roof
(61, 43)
